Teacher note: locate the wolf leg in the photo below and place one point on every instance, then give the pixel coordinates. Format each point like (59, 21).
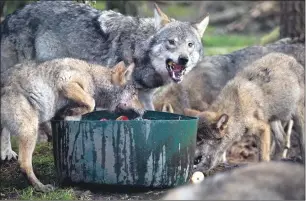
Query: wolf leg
(224, 157)
(288, 138)
(6, 148)
(28, 131)
(279, 134)
(167, 107)
(74, 92)
(265, 140)
(47, 128)
(22, 120)
(45, 131)
(74, 114)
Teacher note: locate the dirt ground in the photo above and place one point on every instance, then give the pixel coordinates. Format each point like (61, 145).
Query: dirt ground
(14, 187)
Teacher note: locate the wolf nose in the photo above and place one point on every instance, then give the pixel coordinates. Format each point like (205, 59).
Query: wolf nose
(183, 60)
(121, 106)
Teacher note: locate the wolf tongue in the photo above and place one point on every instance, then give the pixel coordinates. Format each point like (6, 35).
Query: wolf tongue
(177, 67)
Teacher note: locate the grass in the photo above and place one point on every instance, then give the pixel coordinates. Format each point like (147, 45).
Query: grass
(14, 185)
(30, 194)
(176, 11)
(209, 51)
(228, 40)
(99, 5)
(223, 44)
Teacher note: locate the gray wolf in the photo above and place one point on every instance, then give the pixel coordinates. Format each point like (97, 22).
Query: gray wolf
(34, 93)
(262, 181)
(163, 49)
(202, 85)
(270, 89)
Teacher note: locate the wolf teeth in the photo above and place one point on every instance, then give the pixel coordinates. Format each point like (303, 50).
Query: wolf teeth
(170, 65)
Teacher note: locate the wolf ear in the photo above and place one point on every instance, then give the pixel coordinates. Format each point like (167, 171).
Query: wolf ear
(128, 73)
(117, 72)
(222, 122)
(167, 107)
(201, 25)
(160, 18)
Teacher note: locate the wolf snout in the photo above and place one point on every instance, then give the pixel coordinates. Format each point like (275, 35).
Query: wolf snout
(183, 59)
(124, 108)
(121, 107)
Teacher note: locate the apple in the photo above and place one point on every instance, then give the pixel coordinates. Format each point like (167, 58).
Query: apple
(124, 118)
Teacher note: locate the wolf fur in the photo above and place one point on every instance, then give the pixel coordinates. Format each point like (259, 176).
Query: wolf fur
(34, 93)
(270, 89)
(47, 30)
(262, 181)
(203, 84)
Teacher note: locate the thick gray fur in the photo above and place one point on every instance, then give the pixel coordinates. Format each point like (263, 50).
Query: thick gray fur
(263, 181)
(205, 81)
(47, 30)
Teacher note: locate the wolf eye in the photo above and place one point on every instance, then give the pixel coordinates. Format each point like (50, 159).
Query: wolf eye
(171, 41)
(190, 44)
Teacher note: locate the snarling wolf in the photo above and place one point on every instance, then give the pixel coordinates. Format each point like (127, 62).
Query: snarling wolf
(203, 84)
(163, 49)
(34, 93)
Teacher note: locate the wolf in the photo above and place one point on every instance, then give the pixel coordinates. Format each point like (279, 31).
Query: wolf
(203, 84)
(162, 48)
(172, 98)
(270, 89)
(263, 181)
(34, 93)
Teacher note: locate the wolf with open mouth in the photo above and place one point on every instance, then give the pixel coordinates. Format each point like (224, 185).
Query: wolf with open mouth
(163, 49)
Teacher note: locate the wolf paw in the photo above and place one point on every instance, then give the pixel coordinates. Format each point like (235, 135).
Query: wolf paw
(44, 188)
(73, 118)
(8, 154)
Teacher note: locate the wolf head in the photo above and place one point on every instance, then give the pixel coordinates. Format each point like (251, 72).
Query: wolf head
(176, 47)
(126, 94)
(214, 134)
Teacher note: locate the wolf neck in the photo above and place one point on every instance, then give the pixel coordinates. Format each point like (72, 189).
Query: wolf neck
(141, 32)
(102, 84)
(140, 38)
(145, 76)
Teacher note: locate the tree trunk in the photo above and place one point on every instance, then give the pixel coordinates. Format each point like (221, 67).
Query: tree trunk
(292, 20)
(1, 8)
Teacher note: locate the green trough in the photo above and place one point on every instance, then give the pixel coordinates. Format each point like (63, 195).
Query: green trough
(156, 151)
